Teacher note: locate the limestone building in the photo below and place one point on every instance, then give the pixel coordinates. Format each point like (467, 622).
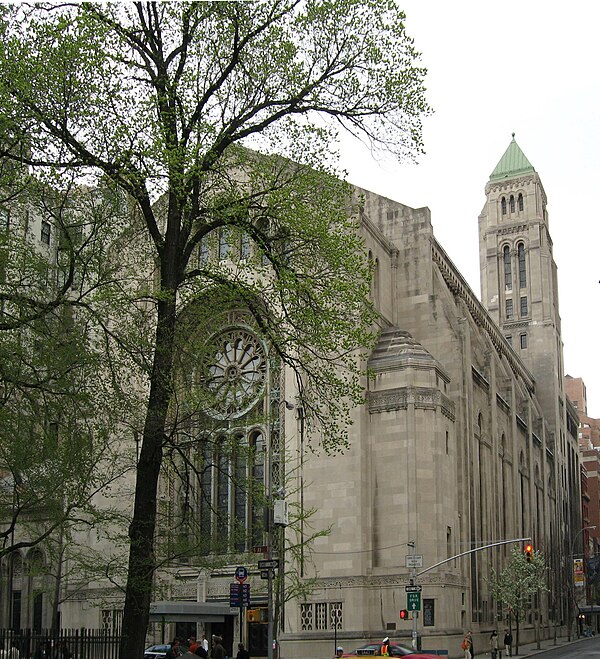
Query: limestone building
(465, 439)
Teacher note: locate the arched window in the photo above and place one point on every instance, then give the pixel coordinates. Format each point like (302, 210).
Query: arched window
(503, 204)
(507, 267)
(520, 201)
(512, 203)
(522, 269)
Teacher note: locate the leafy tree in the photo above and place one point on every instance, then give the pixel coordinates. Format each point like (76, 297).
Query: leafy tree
(167, 101)
(517, 582)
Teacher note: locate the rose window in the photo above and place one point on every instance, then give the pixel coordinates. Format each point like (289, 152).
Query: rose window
(235, 372)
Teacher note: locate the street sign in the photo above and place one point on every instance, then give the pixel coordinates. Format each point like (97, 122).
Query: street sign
(264, 574)
(414, 560)
(271, 564)
(413, 589)
(239, 594)
(241, 574)
(260, 549)
(413, 601)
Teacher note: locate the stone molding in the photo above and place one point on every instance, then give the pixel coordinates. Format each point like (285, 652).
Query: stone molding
(394, 580)
(401, 397)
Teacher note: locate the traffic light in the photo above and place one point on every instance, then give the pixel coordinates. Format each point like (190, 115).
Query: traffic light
(403, 614)
(528, 552)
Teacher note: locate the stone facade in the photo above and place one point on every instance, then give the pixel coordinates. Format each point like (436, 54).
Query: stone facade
(464, 440)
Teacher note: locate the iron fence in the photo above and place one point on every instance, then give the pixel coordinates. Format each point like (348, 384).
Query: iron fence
(60, 644)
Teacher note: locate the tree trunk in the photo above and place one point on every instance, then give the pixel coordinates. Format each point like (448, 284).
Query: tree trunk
(140, 575)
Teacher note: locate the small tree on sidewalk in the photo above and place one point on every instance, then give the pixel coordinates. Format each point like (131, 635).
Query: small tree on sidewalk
(516, 583)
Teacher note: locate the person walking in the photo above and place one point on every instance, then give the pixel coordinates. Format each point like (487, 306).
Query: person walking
(494, 644)
(466, 645)
(175, 650)
(242, 653)
(508, 639)
(204, 643)
(218, 651)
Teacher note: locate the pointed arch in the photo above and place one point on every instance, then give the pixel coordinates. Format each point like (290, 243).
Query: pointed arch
(522, 265)
(512, 203)
(503, 205)
(520, 202)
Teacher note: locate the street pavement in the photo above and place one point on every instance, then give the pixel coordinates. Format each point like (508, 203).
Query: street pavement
(531, 649)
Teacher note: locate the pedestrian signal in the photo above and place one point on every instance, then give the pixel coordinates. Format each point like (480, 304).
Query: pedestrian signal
(404, 614)
(528, 552)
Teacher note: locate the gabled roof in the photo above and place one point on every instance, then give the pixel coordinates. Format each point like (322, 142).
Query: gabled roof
(512, 163)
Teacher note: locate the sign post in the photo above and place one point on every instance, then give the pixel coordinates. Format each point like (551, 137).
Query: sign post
(413, 561)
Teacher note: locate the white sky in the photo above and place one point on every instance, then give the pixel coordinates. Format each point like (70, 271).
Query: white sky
(531, 67)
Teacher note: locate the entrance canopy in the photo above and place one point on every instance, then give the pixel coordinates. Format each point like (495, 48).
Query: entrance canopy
(190, 611)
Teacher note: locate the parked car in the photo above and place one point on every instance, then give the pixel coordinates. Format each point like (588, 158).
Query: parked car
(156, 651)
(395, 650)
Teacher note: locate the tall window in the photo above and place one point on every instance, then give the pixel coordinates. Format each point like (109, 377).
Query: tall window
(224, 243)
(231, 481)
(524, 309)
(512, 203)
(203, 253)
(522, 269)
(523, 341)
(45, 232)
(244, 245)
(507, 267)
(509, 310)
(503, 204)
(520, 201)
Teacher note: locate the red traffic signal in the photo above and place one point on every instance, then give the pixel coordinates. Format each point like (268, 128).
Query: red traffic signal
(403, 614)
(528, 552)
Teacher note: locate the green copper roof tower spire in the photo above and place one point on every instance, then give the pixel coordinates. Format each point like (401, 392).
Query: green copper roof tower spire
(512, 163)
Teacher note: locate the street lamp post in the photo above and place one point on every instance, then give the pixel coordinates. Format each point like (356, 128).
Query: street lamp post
(572, 579)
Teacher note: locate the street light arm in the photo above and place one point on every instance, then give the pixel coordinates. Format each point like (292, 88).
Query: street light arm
(471, 551)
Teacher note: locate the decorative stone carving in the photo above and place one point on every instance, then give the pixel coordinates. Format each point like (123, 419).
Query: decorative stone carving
(401, 397)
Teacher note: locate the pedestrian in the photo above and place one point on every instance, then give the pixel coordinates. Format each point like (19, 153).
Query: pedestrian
(200, 651)
(242, 653)
(175, 650)
(192, 643)
(204, 643)
(494, 644)
(339, 651)
(508, 639)
(466, 645)
(218, 651)
(385, 647)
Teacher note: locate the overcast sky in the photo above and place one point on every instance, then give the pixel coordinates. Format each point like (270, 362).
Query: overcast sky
(531, 67)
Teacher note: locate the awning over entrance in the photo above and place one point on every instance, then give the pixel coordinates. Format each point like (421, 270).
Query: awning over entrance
(593, 608)
(190, 611)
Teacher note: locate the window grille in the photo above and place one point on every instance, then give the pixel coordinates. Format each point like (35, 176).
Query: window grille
(335, 615)
(306, 616)
(321, 615)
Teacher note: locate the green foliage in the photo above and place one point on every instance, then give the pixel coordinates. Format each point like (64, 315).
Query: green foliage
(514, 585)
(164, 105)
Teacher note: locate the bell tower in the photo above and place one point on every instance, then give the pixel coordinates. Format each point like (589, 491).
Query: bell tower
(519, 277)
